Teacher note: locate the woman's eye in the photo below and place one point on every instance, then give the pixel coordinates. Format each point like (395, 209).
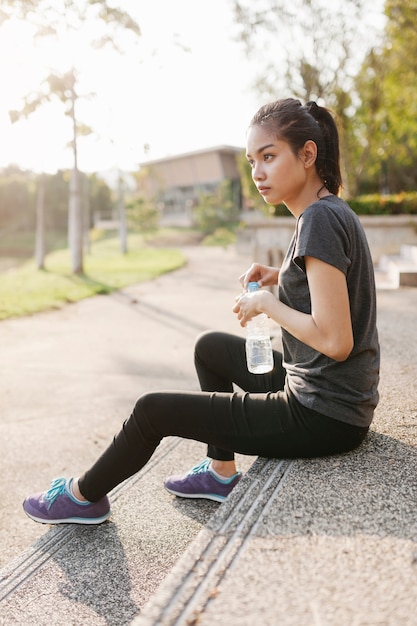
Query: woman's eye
(267, 157)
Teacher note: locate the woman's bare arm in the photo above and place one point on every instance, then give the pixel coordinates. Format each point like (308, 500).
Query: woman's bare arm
(328, 329)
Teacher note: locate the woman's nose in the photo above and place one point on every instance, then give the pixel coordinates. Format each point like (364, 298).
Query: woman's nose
(257, 172)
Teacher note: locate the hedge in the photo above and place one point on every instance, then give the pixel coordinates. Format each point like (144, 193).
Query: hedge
(395, 204)
(375, 204)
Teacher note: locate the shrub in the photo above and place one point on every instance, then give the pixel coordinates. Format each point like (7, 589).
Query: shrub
(395, 204)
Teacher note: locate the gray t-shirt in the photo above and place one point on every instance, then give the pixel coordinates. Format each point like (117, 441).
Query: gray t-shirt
(330, 231)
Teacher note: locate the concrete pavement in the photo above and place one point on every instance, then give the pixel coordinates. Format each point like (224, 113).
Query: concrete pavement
(317, 542)
(329, 542)
(68, 380)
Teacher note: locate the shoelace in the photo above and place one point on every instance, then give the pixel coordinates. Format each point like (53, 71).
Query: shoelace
(201, 467)
(57, 489)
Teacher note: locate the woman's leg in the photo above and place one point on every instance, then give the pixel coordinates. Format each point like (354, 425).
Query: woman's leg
(220, 362)
(272, 425)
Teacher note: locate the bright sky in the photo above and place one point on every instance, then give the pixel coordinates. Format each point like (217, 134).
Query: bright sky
(174, 101)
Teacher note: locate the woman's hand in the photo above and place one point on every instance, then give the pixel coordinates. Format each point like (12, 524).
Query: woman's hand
(262, 274)
(248, 305)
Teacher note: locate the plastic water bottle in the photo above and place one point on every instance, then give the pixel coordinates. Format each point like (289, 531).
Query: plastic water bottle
(258, 341)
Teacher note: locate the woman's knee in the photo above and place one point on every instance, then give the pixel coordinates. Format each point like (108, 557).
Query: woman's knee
(206, 338)
(205, 343)
(212, 340)
(149, 413)
(148, 404)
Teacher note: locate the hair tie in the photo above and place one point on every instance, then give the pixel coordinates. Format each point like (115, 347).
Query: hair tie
(313, 109)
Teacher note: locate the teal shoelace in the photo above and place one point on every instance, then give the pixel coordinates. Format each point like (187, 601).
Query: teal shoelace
(201, 467)
(57, 489)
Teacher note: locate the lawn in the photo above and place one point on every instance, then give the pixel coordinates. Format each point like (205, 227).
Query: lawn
(25, 290)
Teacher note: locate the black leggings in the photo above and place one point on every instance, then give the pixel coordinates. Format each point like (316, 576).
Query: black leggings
(262, 420)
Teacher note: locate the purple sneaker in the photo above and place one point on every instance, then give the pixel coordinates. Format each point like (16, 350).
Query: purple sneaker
(58, 506)
(200, 482)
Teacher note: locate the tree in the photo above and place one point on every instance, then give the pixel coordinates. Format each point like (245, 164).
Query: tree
(142, 214)
(386, 121)
(17, 200)
(67, 21)
(40, 250)
(308, 50)
(217, 209)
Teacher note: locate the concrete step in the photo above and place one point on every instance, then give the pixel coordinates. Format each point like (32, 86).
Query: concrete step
(409, 252)
(399, 270)
(313, 541)
(100, 575)
(298, 541)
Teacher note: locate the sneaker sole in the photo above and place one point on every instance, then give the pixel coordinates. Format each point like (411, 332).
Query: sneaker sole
(70, 520)
(202, 496)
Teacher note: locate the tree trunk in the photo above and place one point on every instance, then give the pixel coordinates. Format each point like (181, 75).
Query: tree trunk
(122, 216)
(75, 213)
(40, 224)
(75, 230)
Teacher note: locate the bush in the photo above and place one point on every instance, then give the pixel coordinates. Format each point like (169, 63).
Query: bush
(220, 237)
(216, 210)
(142, 215)
(375, 204)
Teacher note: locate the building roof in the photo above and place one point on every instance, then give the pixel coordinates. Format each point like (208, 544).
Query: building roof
(172, 157)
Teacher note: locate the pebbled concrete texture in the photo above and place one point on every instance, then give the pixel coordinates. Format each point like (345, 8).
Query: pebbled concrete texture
(69, 379)
(317, 542)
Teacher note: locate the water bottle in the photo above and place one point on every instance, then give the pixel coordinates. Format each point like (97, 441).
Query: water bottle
(258, 341)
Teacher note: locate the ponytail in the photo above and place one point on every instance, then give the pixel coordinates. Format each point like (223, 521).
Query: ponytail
(327, 163)
(290, 121)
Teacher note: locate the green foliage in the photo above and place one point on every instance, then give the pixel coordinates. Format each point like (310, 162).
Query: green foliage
(17, 199)
(142, 215)
(100, 196)
(376, 204)
(221, 237)
(386, 121)
(375, 106)
(249, 191)
(217, 209)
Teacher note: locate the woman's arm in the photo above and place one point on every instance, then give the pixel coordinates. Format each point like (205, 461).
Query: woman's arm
(328, 329)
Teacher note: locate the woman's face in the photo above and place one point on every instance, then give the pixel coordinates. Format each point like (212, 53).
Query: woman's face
(279, 175)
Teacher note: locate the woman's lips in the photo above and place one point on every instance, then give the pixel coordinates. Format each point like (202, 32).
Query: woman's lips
(263, 190)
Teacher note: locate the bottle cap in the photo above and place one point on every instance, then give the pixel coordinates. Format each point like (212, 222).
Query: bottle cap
(253, 286)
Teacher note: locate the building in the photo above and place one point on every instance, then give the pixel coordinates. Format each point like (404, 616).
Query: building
(176, 183)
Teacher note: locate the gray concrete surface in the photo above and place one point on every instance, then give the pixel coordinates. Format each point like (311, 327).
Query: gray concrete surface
(328, 542)
(319, 542)
(68, 379)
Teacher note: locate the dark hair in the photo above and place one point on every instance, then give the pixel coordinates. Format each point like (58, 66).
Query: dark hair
(295, 123)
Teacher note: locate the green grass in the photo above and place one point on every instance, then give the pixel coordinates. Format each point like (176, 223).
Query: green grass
(221, 237)
(26, 290)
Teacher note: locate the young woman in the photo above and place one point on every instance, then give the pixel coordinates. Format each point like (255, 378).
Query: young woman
(320, 397)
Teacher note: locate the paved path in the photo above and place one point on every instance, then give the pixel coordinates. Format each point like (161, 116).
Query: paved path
(334, 544)
(69, 377)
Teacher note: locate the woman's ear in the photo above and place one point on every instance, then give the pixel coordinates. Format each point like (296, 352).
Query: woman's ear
(308, 153)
